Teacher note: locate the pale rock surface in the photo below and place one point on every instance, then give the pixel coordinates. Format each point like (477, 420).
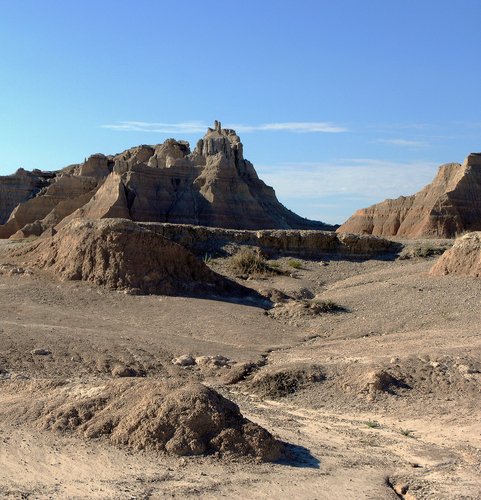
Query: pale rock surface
(463, 258)
(448, 206)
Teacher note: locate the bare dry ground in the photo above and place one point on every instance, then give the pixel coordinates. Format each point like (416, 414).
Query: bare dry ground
(376, 398)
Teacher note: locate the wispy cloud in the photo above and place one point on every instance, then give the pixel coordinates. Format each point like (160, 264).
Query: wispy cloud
(191, 127)
(363, 177)
(345, 184)
(403, 142)
(195, 127)
(299, 127)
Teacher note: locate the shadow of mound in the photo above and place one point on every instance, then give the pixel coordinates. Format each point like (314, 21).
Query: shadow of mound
(298, 456)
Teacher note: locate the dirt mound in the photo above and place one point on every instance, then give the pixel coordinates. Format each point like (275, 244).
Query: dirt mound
(119, 254)
(282, 381)
(464, 258)
(188, 419)
(437, 376)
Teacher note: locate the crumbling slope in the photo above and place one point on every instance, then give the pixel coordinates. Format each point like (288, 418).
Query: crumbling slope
(119, 254)
(463, 258)
(182, 419)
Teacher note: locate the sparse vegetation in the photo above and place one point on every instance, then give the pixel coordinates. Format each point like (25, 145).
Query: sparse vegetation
(251, 262)
(423, 251)
(296, 264)
(407, 433)
(207, 258)
(325, 306)
(372, 424)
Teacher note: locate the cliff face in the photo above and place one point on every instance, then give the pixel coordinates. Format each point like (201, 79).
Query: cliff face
(211, 186)
(18, 188)
(448, 206)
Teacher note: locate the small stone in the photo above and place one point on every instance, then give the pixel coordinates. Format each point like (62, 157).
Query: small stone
(184, 360)
(41, 352)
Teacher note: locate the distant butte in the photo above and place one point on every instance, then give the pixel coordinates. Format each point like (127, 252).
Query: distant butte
(213, 185)
(448, 206)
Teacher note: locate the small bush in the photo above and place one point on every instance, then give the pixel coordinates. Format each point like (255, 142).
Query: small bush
(251, 262)
(325, 306)
(295, 264)
(372, 424)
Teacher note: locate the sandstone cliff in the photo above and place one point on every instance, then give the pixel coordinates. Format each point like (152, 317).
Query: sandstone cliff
(211, 186)
(448, 206)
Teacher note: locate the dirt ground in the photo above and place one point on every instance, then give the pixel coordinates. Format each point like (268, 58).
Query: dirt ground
(393, 411)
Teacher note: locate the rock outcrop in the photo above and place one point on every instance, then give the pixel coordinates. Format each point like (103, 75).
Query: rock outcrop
(463, 258)
(122, 255)
(18, 188)
(450, 205)
(297, 243)
(211, 186)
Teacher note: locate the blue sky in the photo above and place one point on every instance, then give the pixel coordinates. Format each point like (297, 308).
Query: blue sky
(339, 104)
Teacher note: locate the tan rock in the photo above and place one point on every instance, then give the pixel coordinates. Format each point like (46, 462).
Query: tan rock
(64, 187)
(108, 202)
(18, 188)
(463, 258)
(448, 206)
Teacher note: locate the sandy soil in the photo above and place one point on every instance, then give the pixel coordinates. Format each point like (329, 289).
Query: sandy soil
(357, 433)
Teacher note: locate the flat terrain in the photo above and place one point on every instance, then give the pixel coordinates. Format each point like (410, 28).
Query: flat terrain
(395, 404)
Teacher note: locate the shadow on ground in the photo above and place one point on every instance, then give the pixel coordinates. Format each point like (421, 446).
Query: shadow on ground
(299, 456)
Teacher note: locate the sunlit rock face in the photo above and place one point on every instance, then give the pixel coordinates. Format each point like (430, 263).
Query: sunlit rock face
(448, 206)
(213, 185)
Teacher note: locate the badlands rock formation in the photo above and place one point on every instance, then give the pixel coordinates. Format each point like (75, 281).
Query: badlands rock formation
(463, 258)
(203, 240)
(120, 254)
(18, 188)
(211, 186)
(448, 206)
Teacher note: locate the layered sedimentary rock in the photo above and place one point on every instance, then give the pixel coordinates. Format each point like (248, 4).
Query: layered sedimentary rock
(463, 258)
(60, 198)
(18, 188)
(203, 241)
(448, 206)
(211, 186)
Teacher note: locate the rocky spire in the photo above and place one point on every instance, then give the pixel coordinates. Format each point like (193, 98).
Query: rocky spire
(219, 140)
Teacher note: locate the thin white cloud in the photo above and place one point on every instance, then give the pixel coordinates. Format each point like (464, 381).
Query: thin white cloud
(194, 127)
(403, 142)
(191, 127)
(345, 184)
(359, 177)
(299, 127)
